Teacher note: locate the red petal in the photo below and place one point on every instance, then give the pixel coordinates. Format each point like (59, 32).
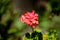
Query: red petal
(27, 16)
(27, 21)
(36, 15)
(35, 18)
(33, 11)
(36, 22)
(31, 16)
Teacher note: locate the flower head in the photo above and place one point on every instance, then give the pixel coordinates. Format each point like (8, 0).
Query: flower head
(30, 18)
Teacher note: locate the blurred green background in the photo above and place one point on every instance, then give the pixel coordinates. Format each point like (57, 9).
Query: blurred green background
(11, 27)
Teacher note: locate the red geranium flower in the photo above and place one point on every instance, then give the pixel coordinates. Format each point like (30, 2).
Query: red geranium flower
(30, 18)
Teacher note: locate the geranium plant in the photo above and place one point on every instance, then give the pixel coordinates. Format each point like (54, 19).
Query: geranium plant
(31, 19)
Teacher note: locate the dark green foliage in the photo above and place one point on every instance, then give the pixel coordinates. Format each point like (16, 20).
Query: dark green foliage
(55, 8)
(9, 22)
(27, 35)
(40, 36)
(34, 39)
(3, 7)
(34, 2)
(52, 32)
(33, 35)
(2, 26)
(4, 33)
(56, 12)
(50, 38)
(54, 4)
(40, 10)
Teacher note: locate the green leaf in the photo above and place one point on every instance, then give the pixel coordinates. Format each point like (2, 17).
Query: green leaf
(13, 30)
(2, 10)
(33, 35)
(27, 35)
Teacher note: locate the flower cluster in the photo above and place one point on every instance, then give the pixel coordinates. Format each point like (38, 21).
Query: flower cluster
(30, 18)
